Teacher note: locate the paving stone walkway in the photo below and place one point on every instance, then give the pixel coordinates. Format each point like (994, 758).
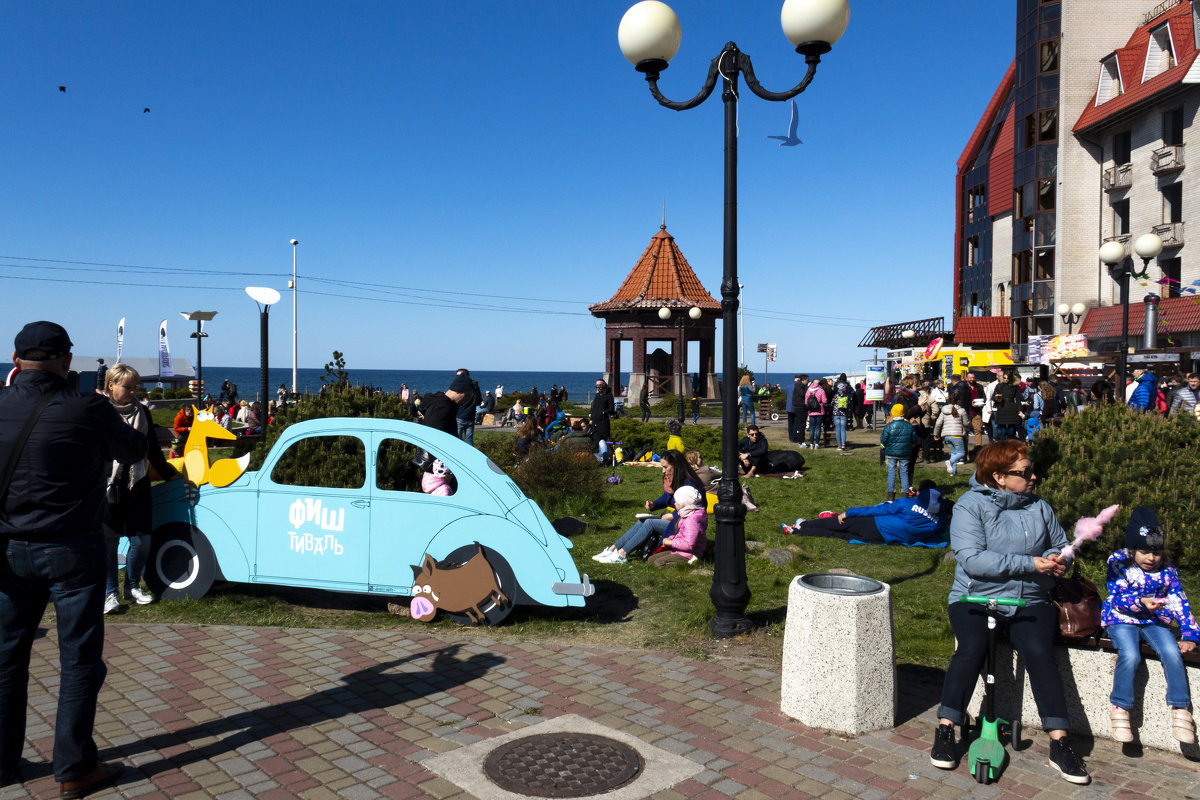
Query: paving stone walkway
(239, 713)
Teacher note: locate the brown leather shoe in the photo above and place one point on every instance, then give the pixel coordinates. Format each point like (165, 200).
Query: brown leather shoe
(101, 776)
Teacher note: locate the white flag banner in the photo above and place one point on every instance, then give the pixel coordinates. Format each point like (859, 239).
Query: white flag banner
(120, 338)
(165, 370)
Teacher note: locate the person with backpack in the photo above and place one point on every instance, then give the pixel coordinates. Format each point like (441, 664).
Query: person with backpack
(841, 411)
(814, 403)
(471, 399)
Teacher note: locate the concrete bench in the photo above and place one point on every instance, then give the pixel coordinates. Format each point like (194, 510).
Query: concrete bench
(1087, 672)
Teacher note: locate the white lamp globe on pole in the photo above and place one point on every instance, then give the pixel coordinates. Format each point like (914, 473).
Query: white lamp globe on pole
(807, 22)
(649, 31)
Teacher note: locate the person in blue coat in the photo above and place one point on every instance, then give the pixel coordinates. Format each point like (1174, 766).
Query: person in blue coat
(914, 522)
(1146, 391)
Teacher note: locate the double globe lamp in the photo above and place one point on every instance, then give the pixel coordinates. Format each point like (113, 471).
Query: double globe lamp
(1147, 247)
(649, 36)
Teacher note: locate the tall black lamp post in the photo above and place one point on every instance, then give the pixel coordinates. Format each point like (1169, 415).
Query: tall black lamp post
(680, 348)
(199, 317)
(649, 36)
(265, 297)
(1147, 246)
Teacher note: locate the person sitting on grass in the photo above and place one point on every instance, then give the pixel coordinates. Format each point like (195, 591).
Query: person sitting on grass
(676, 474)
(674, 440)
(688, 541)
(752, 452)
(912, 523)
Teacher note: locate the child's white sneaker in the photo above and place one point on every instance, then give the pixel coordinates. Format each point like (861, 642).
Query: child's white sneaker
(1182, 726)
(1118, 721)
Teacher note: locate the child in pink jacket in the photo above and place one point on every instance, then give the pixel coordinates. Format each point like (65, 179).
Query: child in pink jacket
(691, 521)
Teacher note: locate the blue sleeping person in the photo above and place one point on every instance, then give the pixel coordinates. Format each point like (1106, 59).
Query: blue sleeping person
(921, 521)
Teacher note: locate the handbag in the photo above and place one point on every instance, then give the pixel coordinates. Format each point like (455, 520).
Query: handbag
(1078, 604)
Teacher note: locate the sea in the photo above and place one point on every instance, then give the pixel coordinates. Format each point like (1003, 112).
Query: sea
(580, 386)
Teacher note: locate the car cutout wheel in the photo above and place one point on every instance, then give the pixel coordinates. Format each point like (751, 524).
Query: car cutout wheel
(181, 564)
(495, 613)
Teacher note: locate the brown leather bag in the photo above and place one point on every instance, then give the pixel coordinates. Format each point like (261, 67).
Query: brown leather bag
(1078, 604)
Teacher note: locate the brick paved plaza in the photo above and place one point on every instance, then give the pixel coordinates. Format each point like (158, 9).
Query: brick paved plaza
(233, 712)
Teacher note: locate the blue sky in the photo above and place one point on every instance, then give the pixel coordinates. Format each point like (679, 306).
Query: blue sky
(464, 179)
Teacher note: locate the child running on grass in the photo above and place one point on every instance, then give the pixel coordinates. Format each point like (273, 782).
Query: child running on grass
(1144, 597)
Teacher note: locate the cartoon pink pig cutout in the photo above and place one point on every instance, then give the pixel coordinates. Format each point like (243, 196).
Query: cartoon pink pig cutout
(466, 589)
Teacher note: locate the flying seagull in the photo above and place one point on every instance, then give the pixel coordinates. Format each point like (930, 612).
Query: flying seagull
(145, 111)
(790, 140)
(62, 88)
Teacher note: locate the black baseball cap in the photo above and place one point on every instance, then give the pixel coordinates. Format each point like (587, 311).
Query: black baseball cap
(48, 338)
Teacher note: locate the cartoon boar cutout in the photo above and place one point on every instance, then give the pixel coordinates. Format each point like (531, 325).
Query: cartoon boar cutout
(463, 589)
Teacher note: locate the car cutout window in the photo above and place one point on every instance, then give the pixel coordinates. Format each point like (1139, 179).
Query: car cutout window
(330, 462)
(401, 466)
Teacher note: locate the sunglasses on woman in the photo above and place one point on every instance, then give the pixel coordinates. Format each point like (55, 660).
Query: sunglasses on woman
(1026, 473)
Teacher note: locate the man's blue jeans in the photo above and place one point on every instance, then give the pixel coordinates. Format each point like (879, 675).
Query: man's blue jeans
(466, 431)
(899, 463)
(69, 572)
(1127, 639)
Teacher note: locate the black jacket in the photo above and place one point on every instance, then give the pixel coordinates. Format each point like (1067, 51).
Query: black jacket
(439, 411)
(58, 485)
(601, 412)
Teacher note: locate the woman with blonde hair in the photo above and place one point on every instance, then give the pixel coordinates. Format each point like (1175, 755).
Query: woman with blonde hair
(746, 399)
(128, 492)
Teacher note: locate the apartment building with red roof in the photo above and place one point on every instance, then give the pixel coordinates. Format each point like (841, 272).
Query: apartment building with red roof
(1084, 140)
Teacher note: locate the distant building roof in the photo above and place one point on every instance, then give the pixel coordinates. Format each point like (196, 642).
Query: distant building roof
(1175, 315)
(982, 330)
(1131, 62)
(661, 277)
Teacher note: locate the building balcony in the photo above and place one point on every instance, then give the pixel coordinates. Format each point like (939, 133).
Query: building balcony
(1117, 177)
(1171, 233)
(1167, 159)
(1123, 238)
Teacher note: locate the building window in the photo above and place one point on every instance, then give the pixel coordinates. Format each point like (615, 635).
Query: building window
(1030, 128)
(1172, 195)
(973, 257)
(1046, 194)
(1172, 126)
(1120, 222)
(1160, 55)
(1110, 80)
(1022, 267)
(1048, 126)
(1171, 268)
(1048, 56)
(1122, 148)
(1044, 266)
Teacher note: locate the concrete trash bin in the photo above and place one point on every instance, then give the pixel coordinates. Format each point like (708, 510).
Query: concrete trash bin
(839, 654)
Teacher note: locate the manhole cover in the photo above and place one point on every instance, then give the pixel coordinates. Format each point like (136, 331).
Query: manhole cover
(562, 765)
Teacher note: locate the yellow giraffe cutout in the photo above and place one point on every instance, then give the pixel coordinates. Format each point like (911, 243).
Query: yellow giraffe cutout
(194, 462)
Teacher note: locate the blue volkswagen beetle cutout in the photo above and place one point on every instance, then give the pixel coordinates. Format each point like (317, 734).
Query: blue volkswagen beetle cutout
(342, 504)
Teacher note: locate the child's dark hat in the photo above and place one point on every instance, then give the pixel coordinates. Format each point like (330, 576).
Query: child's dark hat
(1143, 531)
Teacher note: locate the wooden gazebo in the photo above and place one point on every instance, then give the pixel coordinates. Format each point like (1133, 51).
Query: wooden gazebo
(661, 279)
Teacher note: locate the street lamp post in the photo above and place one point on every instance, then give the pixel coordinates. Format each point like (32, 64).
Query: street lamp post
(649, 36)
(292, 286)
(265, 297)
(680, 348)
(1071, 314)
(200, 317)
(1147, 246)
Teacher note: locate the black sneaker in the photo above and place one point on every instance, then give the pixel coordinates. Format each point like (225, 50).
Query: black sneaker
(1069, 765)
(942, 754)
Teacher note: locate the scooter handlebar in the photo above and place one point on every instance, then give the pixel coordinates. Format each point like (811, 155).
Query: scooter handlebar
(993, 601)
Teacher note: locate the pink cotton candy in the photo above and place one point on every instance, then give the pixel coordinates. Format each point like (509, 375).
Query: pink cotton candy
(1089, 528)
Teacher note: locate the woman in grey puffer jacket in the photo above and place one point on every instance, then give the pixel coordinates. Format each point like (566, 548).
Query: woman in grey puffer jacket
(1006, 543)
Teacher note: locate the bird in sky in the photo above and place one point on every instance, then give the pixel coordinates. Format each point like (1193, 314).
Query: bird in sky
(145, 111)
(791, 139)
(62, 88)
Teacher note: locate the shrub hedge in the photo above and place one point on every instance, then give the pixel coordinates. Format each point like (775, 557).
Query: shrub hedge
(1112, 454)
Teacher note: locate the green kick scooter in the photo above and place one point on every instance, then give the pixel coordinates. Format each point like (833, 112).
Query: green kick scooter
(986, 754)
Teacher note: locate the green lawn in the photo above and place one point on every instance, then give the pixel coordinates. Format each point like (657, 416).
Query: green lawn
(636, 605)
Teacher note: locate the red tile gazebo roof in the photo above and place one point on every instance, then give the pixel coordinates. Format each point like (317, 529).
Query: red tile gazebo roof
(661, 277)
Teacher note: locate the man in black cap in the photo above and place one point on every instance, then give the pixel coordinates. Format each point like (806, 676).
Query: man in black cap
(57, 446)
(440, 409)
(465, 413)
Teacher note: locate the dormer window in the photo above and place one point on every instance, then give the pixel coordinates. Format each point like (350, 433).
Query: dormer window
(1110, 80)
(1160, 55)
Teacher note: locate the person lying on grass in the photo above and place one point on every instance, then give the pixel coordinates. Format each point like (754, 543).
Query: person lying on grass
(915, 522)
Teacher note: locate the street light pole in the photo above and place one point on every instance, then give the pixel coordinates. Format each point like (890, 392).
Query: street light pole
(1071, 314)
(292, 286)
(1147, 246)
(680, 349)
(649, 36)
(199, 317)
(265, 297)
